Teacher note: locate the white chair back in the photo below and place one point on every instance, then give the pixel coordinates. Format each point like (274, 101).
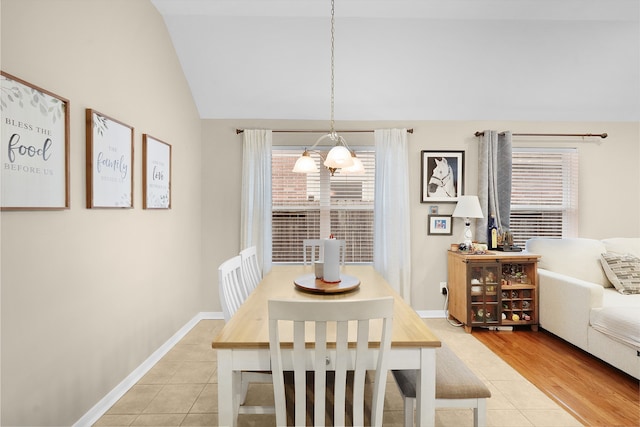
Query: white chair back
(315, 247)
(310, 353)
(251, 271)
(231, 287)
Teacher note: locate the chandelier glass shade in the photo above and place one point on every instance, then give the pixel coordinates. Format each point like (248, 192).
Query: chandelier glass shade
(338, 157)
(305, 164)
(356, 169)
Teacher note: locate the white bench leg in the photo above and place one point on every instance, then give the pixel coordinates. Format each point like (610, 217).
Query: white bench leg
(480, 413)
(408, 411)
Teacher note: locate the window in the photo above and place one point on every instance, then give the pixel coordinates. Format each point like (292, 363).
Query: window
(312, 206)
(544, 193)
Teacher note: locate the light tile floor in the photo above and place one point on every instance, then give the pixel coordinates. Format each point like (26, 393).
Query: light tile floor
(181, 389)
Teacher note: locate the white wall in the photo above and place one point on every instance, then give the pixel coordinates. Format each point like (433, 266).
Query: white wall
(87, 295)
(609, 200)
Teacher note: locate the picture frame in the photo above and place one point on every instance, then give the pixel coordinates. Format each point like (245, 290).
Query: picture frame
(440, 225)
(34, 147)
(109, 162)
(156, 173)
(442, 176)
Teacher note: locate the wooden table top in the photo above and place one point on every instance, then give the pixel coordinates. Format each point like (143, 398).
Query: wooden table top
(249, 326)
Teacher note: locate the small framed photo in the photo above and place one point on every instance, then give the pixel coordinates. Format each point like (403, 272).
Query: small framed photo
(433, 209)
(442, 176)
(440, 225)
(156, 173)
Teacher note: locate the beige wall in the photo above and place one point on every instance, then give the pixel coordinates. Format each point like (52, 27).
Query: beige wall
(609, 199)
(87, 295)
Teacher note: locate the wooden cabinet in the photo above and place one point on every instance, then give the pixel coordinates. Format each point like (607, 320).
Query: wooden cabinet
(493, 289)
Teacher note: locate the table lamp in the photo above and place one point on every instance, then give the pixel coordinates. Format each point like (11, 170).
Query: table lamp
(468, 207)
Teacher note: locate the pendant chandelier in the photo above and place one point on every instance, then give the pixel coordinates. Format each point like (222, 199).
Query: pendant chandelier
(340, 156)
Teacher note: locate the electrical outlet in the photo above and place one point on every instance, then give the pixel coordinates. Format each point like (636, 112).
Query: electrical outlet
(443, 288)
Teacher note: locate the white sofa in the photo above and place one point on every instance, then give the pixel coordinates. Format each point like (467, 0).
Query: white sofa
(578, 303)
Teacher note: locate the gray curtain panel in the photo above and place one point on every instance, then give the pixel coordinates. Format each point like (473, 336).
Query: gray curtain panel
(494, 180)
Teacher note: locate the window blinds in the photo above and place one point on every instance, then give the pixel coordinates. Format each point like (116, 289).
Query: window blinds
(544, 193)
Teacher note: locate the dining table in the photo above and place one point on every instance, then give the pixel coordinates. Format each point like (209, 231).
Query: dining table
(243, 342)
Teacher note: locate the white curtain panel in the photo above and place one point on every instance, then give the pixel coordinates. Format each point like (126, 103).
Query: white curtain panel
(256, 194)
(392, 238)
(494, 180)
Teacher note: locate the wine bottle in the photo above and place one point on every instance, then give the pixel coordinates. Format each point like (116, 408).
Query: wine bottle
(492, 238)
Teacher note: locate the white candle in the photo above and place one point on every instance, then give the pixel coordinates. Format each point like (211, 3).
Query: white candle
(331, 261)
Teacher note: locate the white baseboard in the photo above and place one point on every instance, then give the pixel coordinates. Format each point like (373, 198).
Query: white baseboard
(112, 397)
(432, 314)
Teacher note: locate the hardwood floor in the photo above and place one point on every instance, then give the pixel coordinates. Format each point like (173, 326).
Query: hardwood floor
(594, 392)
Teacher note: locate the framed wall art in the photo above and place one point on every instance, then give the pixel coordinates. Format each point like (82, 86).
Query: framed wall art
(35, 147)
(440, 224)
(109, 162)
(442, 176)
(156, 173)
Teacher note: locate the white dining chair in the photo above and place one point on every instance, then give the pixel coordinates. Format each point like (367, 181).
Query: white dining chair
(311, 354)
(233, 292)
(251, 271)
(231, 286)
(315, 247)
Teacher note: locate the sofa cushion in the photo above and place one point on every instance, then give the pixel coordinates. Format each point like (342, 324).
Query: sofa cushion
(620, 323)
(575, 257)
(623, 245)
(623, 271)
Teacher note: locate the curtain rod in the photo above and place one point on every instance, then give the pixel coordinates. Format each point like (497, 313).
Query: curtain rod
(601, 135)
(238, 131)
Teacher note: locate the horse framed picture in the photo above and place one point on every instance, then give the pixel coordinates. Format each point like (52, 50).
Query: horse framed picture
(442, 174)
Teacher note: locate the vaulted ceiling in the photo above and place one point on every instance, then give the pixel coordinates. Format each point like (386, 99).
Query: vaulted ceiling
(550, 60)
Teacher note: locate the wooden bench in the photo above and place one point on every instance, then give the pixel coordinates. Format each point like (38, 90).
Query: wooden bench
(456, 387)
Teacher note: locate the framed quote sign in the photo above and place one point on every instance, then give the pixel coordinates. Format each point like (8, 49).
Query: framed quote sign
(156, 173)
(35, 147)
(109, 162)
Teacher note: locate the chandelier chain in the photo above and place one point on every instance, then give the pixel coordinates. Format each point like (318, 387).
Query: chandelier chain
(332, 67)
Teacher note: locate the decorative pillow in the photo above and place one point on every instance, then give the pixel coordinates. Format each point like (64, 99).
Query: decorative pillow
(623, 270)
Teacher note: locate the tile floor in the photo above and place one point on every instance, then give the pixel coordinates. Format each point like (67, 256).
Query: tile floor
(181, 389)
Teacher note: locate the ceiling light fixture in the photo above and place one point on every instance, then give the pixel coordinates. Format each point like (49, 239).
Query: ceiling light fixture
(340, 156)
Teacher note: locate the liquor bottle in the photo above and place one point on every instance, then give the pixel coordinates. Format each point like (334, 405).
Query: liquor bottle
(492, 238)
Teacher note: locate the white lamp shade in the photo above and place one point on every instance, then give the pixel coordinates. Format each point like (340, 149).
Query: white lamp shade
(468, 207)
(356, 169)
(338, 157)
(305, 164)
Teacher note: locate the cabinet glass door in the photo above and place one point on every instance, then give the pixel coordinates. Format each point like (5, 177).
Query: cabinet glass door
(485, 298)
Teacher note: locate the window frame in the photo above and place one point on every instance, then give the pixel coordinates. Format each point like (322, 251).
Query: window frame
(329, 210)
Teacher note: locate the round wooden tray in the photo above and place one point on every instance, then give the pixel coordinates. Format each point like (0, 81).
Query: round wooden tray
(309, 283)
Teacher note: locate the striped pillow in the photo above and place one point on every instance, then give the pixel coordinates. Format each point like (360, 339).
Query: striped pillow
(623, 271)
